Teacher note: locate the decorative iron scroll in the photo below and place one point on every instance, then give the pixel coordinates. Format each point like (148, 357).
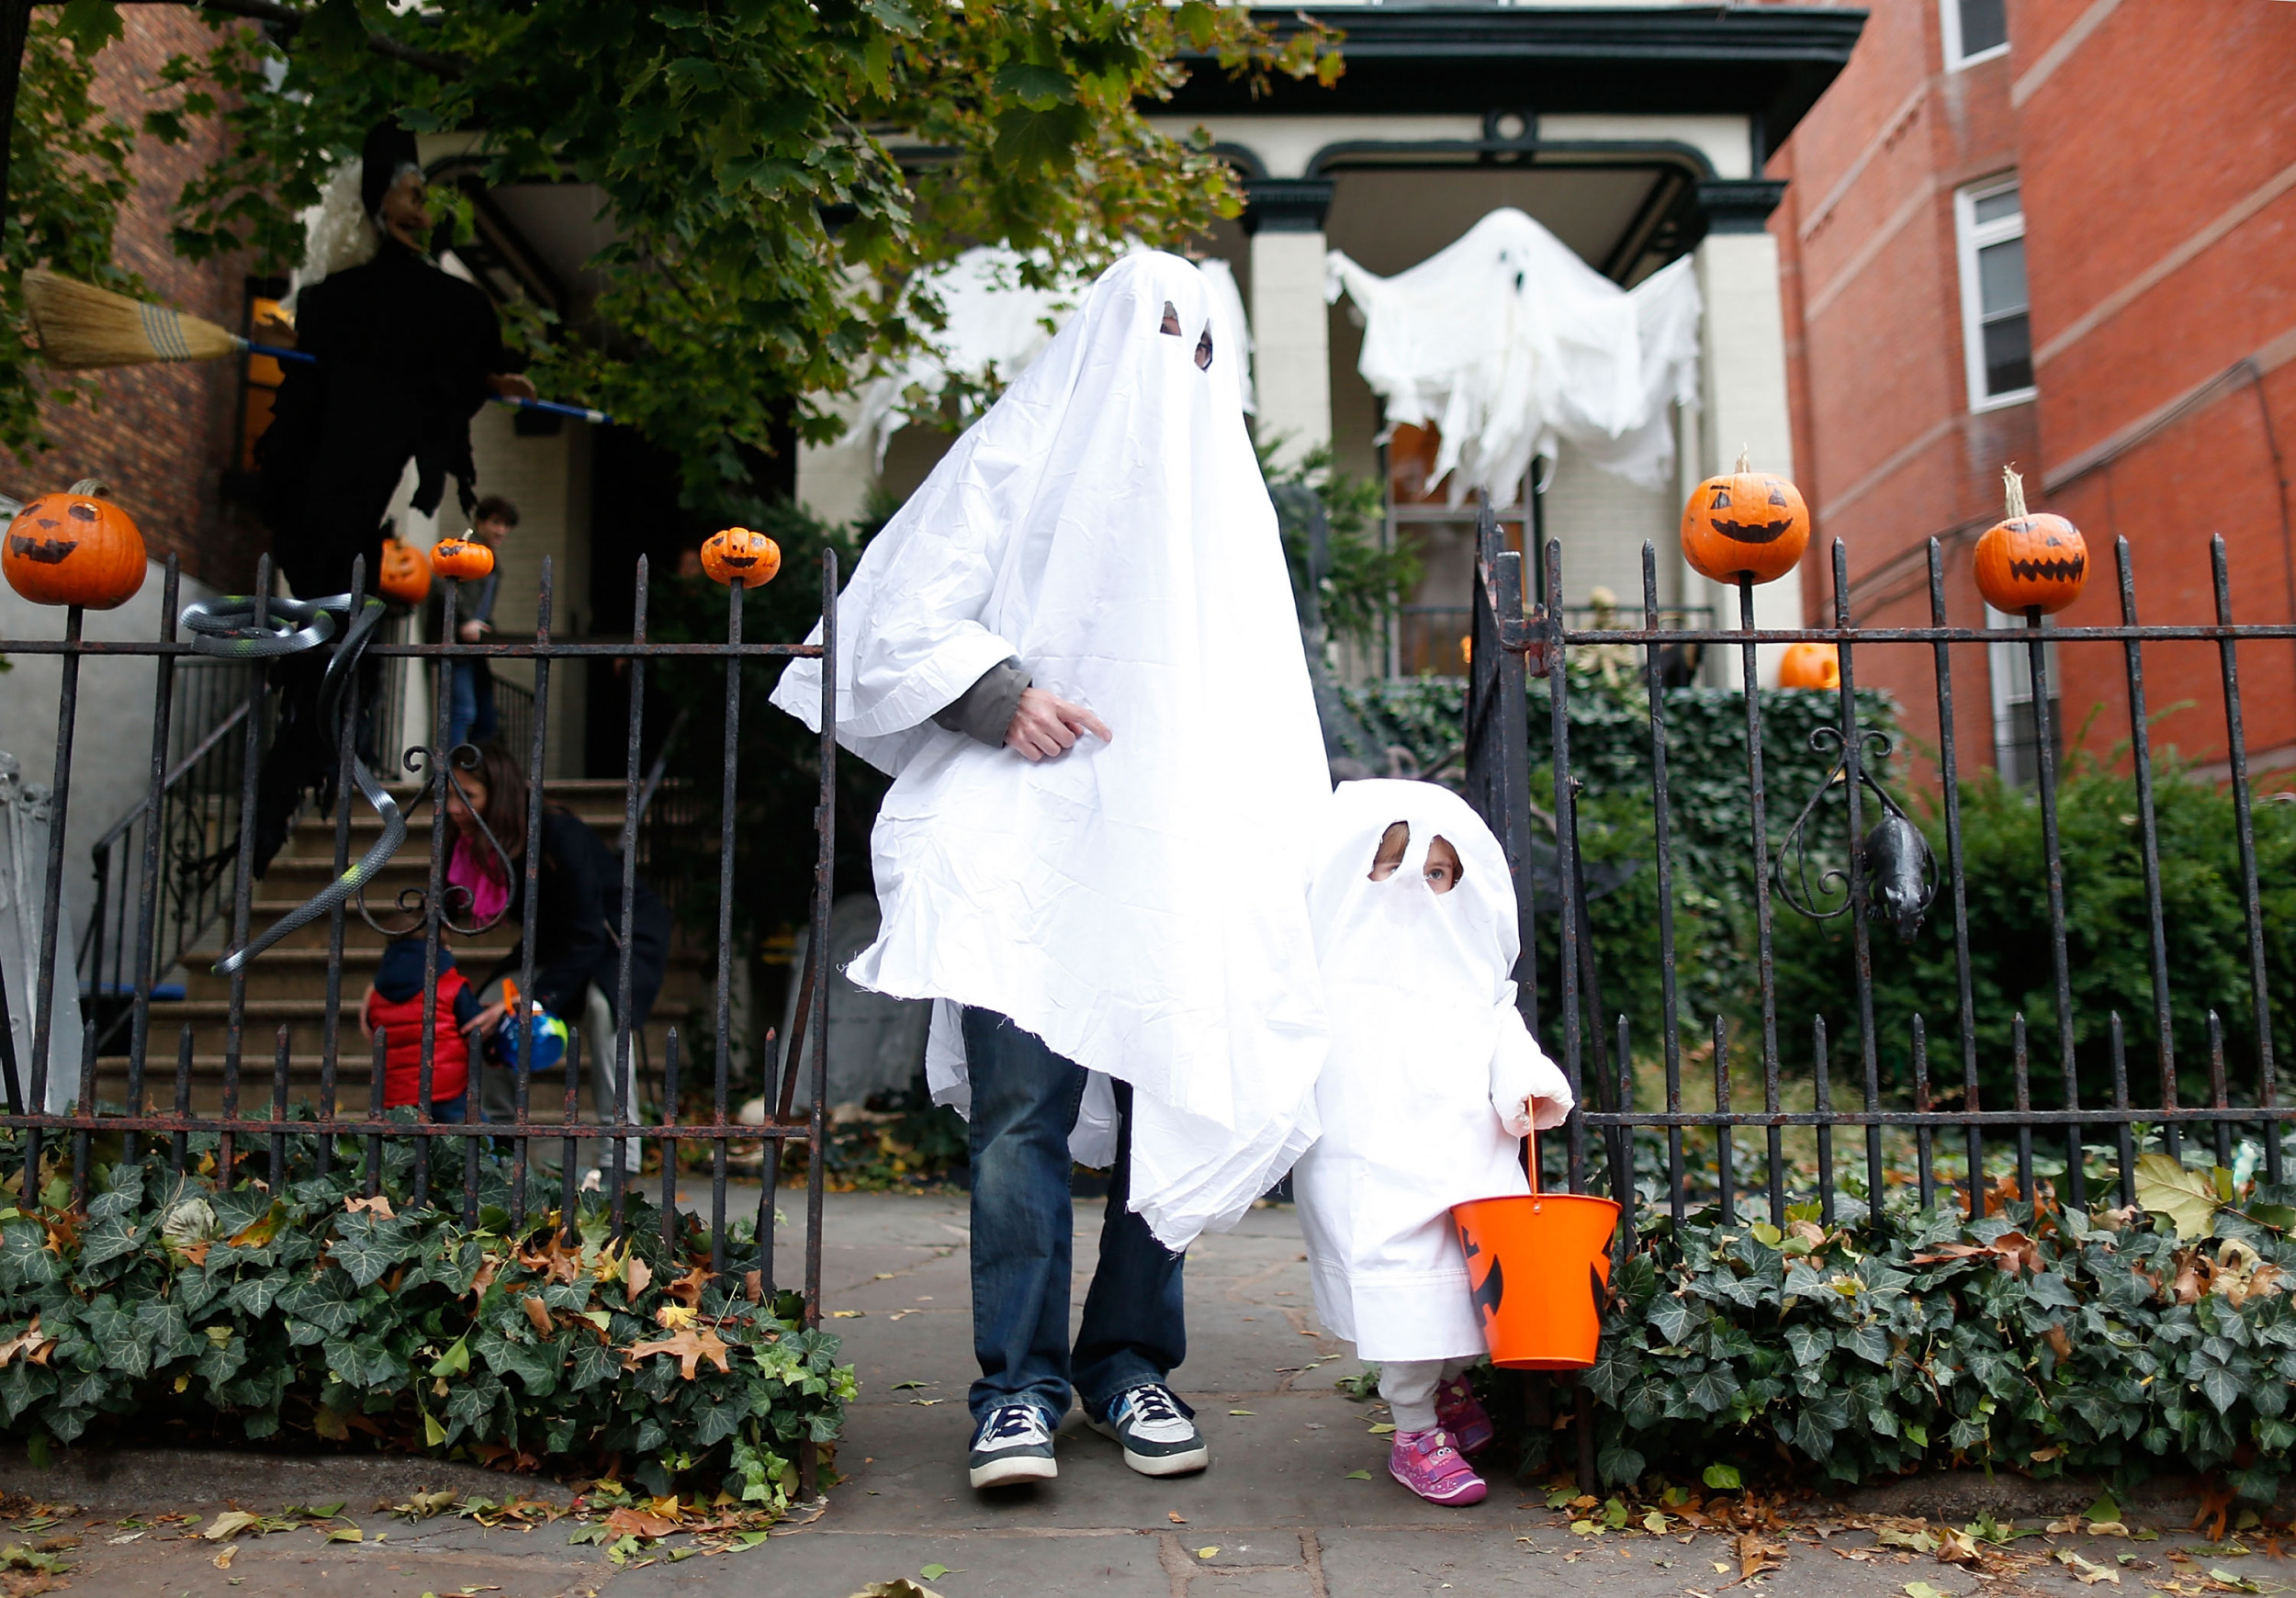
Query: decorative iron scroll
(1896, 868)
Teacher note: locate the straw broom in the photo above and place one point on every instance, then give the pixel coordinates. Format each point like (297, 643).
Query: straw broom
(80, 325)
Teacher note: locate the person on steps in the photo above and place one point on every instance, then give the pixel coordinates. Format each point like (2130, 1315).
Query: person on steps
(578, 930)
(1076, 651)
(394, 1007)
(1432, 1083)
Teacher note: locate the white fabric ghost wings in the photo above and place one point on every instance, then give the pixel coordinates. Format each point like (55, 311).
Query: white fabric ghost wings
(1136, 903)
(1423, 1095)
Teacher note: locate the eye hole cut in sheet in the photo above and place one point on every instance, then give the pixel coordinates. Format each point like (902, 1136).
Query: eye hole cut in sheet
(1203, 351)
(1442, 868)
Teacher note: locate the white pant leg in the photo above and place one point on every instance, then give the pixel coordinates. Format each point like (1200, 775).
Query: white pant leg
(1409, 1387)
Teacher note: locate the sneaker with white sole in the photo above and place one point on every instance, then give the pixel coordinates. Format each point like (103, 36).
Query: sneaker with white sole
(1154, 1427)
(1012, 1445)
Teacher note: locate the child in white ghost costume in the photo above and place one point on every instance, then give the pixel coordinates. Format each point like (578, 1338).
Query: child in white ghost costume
(1432, 1082)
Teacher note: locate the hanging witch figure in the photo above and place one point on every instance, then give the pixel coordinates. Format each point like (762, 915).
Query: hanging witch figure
(405, 352)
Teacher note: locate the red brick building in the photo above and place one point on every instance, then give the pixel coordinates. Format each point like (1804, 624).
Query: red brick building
(2059, 234)
(163, 436)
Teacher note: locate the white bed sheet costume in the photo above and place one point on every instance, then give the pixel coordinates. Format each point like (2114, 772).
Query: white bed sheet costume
(1422, 1095)
(1135, 904)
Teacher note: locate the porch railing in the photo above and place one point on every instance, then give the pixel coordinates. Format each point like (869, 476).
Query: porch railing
(1929, 1127)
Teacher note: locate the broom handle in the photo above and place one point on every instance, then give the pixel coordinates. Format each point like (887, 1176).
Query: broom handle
(580, 412)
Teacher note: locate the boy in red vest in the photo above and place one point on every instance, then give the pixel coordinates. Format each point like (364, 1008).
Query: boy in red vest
(393, 1003)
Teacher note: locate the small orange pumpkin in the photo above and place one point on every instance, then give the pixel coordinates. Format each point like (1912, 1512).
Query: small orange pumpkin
(461, 558)
(1745, 523)
(735, 555)
(1811, 665)
(405, 573)
(75, 548)
(2029, 564)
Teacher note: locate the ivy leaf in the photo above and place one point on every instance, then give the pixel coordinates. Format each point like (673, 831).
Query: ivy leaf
(1809, 1345)
(593, 1362)
(2185, 1198)
(107, 1240)
(1712, 1390)
(366, 1247)
(1673, 1319)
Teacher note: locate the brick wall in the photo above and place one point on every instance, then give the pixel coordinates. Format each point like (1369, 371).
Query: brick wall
(162, 436)
(2155, 147)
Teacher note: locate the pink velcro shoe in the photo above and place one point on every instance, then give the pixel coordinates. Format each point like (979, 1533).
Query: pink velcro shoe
(1427, 1463)
(1461, 1413)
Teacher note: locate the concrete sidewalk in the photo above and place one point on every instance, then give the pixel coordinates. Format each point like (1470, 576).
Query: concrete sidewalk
(1279, 1515)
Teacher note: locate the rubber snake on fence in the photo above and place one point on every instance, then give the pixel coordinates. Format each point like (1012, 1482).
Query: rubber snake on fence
(242, 629)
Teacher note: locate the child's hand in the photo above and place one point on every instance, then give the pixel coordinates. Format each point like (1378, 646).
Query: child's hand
(367, 1027)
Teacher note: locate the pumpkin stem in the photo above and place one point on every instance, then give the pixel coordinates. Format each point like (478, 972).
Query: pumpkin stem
(92, 488)
(1745, 457)
(2013, 494)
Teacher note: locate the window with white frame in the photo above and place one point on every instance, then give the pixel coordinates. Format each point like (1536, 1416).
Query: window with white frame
(1974, 31)
(2016, 728)
(1997, 320)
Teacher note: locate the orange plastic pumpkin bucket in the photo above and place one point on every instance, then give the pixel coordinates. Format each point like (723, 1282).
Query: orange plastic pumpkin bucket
(1538, 1266)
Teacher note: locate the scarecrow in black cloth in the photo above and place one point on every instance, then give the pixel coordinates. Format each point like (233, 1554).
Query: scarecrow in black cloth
(406, 354)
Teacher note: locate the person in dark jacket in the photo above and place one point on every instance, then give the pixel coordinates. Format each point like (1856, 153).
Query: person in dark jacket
(578, 927)
(394, 1005)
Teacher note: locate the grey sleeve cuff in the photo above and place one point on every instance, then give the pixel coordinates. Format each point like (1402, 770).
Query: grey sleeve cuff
(984, 710)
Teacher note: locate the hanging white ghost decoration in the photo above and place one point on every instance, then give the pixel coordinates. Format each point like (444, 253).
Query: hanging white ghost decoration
(1506, 343)
(1135, 904)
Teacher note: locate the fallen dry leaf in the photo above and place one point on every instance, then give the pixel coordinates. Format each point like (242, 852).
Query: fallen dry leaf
(1175, 1517)
(379, 1207)
(30, 1343)
(640, 1274)
(691, 1346)
(538, 1313)
(225, 1555)
(637, 1523)
(1754, 1556)
(687, 1289)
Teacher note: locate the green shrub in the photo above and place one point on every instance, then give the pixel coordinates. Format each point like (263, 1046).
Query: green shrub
(2107, 944)
(2057, 1344)
(307, 1316)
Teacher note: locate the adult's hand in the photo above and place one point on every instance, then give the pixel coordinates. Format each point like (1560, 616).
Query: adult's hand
(511, 385)
(474, 631)
(1047, 725)
(482, 1025)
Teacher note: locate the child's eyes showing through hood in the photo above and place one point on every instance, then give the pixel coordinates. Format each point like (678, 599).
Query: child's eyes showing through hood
(1203, 352)
(1444, 870)
(1171, 327)
(1392, 843)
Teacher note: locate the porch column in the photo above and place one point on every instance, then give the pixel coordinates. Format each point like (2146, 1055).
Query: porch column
(1291, 355)
(1742, 376)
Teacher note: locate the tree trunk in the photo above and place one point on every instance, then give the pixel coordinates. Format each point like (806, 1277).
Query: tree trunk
(16, 23)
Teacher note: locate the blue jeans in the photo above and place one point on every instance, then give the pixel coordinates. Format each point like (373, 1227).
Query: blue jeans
(1134, 1331)
(469, 704)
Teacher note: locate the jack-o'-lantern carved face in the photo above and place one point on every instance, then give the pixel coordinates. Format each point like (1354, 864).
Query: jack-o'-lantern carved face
(404, 574)
(1745, 523)
(461, 558)
(75, 548)
(737, 555)
(2028, 564)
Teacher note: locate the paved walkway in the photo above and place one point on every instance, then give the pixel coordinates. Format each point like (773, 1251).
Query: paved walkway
(1279, 1515)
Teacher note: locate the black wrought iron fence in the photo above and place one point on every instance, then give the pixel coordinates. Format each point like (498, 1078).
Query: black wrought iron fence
(1926, 1105)
(246, 647)
(177, 844)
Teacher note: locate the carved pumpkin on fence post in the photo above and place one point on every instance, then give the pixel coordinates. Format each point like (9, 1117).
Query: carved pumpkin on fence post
(461, 558)
(2029, 565)
(404, 574)
(75, 548)
(735, 555)
(1745, 524)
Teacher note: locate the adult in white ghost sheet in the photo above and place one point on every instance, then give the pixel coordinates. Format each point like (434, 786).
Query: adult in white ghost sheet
(1076, 651)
